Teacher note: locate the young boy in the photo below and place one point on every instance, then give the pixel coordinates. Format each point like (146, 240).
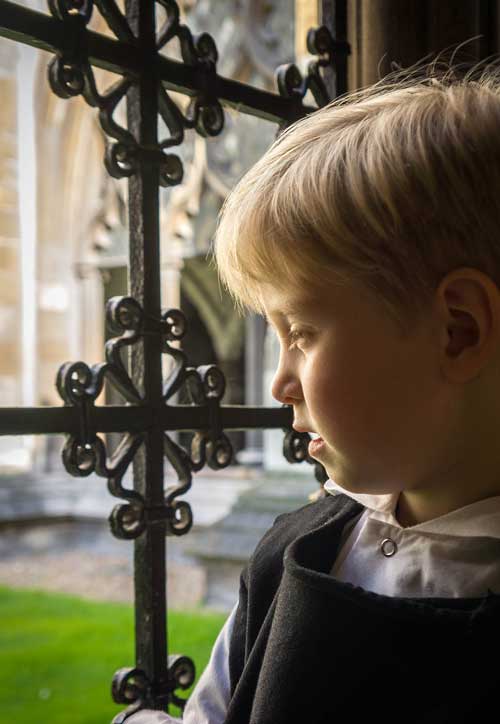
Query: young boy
(369, 236)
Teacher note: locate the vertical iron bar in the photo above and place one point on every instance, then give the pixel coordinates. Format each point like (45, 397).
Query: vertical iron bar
(333, 14)
(144, 280)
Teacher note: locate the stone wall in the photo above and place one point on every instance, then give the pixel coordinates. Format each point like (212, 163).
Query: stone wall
(10, 277)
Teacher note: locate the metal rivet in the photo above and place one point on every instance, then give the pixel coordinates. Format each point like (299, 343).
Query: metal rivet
(388, 547)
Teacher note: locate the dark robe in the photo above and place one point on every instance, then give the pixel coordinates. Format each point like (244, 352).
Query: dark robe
(308, 648)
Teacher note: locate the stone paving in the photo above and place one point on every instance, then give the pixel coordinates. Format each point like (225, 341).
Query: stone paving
(111, 579)
(83, 559)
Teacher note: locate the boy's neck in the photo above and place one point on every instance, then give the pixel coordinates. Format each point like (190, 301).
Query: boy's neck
(404, 514)
(414, 507)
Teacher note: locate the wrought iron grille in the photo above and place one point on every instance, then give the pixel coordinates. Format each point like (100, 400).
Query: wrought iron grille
(147, 512)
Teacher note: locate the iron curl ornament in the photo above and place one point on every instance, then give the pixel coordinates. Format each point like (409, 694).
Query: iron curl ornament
(132, 687)
(71, 74)
(290, 81)
(295, 450)
(80, 385)
(205, 386)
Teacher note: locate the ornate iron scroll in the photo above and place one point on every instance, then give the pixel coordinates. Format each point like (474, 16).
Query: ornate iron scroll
(148, 513)
(71, 74)
(290, 81)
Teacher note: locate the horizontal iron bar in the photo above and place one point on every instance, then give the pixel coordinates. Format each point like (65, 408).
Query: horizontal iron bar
(115, 418)
(47, 33)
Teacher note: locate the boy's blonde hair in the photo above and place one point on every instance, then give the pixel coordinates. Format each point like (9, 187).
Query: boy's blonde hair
(391, 187)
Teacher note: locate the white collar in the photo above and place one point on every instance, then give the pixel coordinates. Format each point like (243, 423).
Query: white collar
(480, 519)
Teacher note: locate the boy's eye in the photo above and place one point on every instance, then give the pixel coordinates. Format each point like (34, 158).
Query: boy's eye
(294, 336)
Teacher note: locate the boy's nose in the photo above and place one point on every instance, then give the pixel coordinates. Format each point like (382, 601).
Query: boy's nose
(285, 388)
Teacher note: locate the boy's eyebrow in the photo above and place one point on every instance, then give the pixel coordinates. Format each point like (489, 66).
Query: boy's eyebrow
(281, 313)
(284, 311)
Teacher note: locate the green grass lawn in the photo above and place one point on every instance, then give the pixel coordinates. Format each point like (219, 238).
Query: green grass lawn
(58, 654)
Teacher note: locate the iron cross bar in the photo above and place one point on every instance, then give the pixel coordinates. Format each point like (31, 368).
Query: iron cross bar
(138, 418)
(119, 56)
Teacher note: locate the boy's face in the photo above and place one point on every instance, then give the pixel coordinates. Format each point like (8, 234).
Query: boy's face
(377, 400)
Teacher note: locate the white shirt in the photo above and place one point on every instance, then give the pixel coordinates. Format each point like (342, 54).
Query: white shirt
(455, 555)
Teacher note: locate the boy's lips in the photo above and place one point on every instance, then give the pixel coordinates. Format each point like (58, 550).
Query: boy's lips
(315, 446)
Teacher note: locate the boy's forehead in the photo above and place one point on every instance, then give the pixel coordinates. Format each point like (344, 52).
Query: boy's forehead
(279, 304)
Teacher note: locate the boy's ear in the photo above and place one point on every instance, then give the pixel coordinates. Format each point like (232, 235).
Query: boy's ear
(469, 311)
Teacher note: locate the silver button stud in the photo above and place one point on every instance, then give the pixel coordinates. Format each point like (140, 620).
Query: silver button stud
(388, 547)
